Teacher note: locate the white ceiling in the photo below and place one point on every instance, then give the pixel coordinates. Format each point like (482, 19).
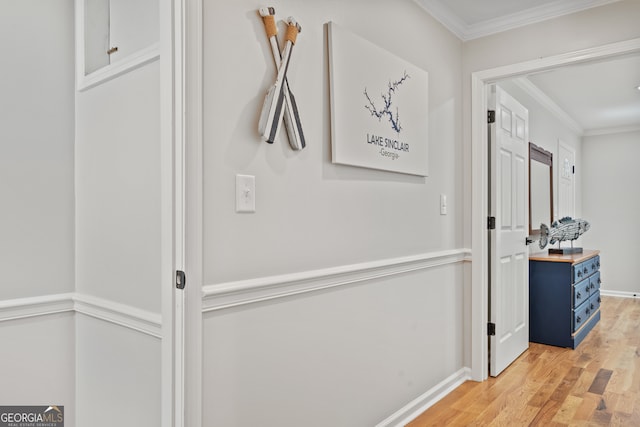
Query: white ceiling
(591, 98)
(601, 96)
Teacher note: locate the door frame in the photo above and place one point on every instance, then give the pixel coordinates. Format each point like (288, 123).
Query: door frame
(181, 174)
(479, 179)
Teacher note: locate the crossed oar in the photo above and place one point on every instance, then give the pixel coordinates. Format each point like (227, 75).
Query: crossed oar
(280, 101)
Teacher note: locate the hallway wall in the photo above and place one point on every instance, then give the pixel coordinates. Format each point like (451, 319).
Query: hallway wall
(37, 214)
(118, 262)
(390, 314)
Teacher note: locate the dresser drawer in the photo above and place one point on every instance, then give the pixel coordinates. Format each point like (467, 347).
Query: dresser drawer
(594, 264)
(581, 315)
(594, 282)
(594, 301)
(581, 271)
(581, 292)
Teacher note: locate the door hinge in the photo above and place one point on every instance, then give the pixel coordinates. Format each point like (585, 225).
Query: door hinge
(181, 279)
(491, 116)
(491, 223)
(491, 329)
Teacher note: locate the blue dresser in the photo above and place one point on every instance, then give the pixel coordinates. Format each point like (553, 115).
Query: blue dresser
(564, 297)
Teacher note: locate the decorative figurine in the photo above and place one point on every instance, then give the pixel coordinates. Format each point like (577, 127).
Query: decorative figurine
(566, 228)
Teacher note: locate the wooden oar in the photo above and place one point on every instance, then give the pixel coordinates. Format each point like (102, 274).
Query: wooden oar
(292, 122)
(273, 107)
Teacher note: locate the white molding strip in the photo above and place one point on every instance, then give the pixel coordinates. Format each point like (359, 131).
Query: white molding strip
(445, 16)
(232, 294)
(466, 32)
(120, 314)
(609, 131)
(420, 404)
(21, 308)
(131, 62)
(619, 294)
(543, 99)
(536, 14)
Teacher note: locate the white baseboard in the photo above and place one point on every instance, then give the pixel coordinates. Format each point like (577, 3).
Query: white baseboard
(413, 409)
(120, 314)
(619, 294)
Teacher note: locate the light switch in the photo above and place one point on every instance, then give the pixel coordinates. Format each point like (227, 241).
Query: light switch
(245, 193)
(443, 204)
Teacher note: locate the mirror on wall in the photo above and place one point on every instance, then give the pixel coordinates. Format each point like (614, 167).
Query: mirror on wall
(540, 188)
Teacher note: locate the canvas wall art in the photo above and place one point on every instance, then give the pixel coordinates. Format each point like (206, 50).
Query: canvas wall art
(379, 106)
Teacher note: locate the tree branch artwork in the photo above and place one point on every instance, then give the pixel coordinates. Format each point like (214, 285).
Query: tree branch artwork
(394, 119)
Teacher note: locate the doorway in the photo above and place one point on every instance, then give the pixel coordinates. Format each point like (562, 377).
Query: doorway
(480, 185)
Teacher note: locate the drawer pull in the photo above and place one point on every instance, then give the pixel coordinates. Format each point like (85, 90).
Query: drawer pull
(593, 306)
(585, 270)
(578, 319)
(579, 273)
(578, 296)
(587, 311)
(599, 300)
(593, 267)
(599, 281)
(598, 264)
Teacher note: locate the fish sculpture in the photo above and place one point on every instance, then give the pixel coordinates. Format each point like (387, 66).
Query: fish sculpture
(566, 228)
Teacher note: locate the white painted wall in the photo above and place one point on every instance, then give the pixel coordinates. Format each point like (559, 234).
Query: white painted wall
(116, 367)
(37, 362)
(118, 189)
(36, 148)
(348, 357)
(611, 203)
(593, 27)
(354, 355)
(117, 185)
(36, 188)
(350, 214)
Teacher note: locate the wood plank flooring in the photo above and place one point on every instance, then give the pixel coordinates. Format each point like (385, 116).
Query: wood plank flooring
(597, 384)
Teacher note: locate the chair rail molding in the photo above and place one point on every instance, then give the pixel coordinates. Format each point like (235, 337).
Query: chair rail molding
(120, 314)
(231, 294)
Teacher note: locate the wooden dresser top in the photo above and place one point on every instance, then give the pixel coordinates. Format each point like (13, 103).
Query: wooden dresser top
(573, 258)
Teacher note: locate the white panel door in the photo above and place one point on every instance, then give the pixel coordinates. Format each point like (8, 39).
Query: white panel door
(509, 260)
(566, 181)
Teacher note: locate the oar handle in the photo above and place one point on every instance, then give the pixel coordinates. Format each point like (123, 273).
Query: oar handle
(269, 21)
(293, 28)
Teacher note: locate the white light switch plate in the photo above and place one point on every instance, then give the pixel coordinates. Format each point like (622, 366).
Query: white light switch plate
(245, 193)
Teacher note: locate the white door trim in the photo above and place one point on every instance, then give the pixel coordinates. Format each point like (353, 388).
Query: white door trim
(193, 192)
(181, 210)
(170, 95)
(479, 179)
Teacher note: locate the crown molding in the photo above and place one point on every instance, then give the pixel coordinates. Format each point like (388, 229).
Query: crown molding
(548, 103)
(444, 15)
(609, 131)
(467, 32)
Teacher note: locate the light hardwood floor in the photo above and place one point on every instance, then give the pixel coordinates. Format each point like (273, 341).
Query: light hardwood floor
(597, 384)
